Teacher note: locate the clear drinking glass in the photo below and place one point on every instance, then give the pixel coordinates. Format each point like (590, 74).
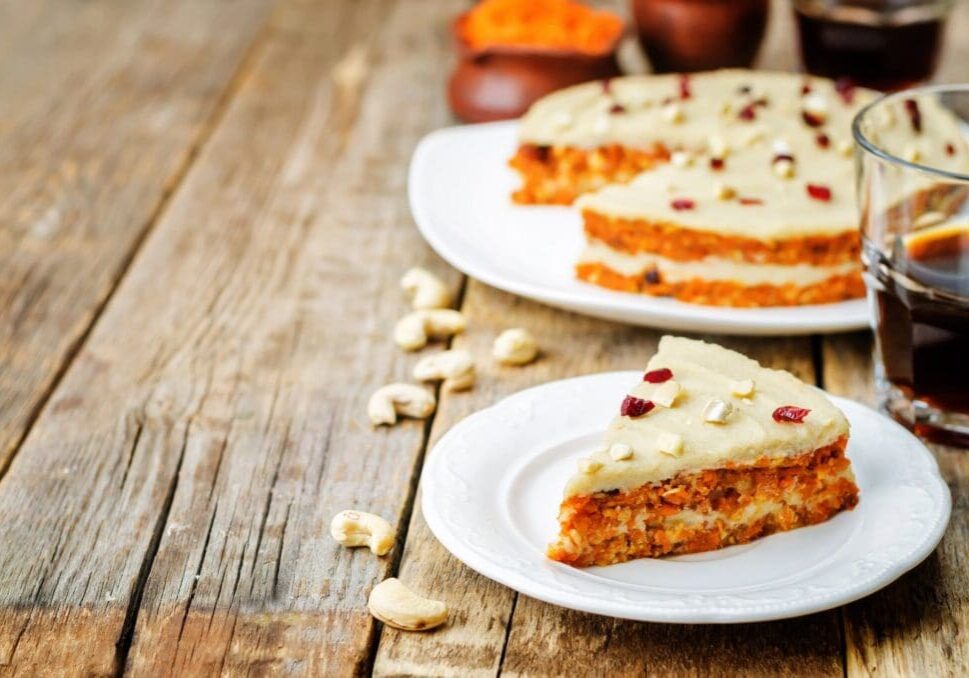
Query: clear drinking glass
(883, 44)
(915, 249)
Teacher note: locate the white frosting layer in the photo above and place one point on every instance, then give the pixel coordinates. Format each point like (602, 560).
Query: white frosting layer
(710, 268)
(708, 124)
(705, 372)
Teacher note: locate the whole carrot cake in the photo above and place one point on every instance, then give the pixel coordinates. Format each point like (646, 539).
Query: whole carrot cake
(749, 195)
(709, 450)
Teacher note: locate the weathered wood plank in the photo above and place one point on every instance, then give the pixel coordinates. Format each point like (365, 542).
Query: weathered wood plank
(216, 413)
(101, 106)
(543, 639)
(915, 626)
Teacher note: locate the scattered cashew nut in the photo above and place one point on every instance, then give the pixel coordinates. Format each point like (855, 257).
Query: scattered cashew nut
(455, 367)
(414, 329)
(515, 347)
(426, 289)
(357, 528)
(406, 400)
(396, 605)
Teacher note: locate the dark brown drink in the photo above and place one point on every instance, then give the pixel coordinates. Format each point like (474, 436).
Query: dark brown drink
(922, 307)
(877, 43)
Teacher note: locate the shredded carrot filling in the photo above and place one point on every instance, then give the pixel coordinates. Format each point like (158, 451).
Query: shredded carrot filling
(541, 23)
(610, 527)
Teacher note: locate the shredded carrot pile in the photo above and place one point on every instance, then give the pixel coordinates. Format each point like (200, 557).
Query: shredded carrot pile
(561, 24)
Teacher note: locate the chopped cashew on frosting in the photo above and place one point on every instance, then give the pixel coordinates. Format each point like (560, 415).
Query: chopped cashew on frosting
(407, 400)
(358, 528)
(426, 289)
(413, 331)
(396, 605)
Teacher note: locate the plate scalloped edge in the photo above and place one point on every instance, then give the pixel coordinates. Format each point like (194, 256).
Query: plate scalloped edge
(449, 483)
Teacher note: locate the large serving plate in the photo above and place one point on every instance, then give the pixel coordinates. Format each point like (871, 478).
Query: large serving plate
(459, 188)
(492, 486)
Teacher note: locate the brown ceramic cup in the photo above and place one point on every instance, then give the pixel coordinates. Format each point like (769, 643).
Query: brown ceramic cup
(501, 82)
(700, 35)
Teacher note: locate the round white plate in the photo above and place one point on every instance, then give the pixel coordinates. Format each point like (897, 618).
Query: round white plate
(459, 187)
(492, 486)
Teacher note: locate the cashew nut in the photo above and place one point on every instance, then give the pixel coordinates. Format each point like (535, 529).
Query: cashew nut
(455, 367)
(426, 289)
(406, 400)
(414, 329)
(396, 605)
(515, 347)
(356, 528)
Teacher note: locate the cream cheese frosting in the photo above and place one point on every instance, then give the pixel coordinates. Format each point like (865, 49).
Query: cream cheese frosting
(706, 373)
(711, 268)
(773, 135)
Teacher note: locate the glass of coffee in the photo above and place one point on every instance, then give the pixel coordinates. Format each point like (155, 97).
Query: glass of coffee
(882, 44)
(912, 161)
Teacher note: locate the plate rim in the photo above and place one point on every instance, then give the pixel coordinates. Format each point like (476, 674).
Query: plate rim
(668, 313)
(685, 615)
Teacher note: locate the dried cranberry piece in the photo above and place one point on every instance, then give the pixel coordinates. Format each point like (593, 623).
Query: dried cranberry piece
(716, 163)
(914, 114)
(845, 89)
(635, 407)
(617, 108)
(950, 149)
(684, 86)
(750, 201)
(823, 140)
(682, 204)
(812, 119)
(819, 192)
(658, 376)
(790, 414)
(747, 112)
(805, 89)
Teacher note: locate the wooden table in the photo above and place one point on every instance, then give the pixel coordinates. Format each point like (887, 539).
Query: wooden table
(203, 221)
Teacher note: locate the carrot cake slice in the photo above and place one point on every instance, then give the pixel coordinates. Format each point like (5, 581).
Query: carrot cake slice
(709, 450)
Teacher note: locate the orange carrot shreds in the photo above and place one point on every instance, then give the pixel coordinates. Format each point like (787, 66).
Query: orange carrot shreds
(562, 24)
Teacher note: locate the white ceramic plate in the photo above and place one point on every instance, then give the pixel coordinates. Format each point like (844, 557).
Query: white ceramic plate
(492, 486)
(459, 187)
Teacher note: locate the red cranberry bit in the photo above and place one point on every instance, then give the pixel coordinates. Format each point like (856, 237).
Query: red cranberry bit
(790, 414)
(658, 376)
(819, 192)
(747, 112)
(805, 88)
(845, 89)
(812, 119)
(635, 407)
(914, 114)
(615, 109)
(682, 204)
(716, 163)
(823, 140)
(782, 156)
(684, 86)
(750, 201)
(950, 149)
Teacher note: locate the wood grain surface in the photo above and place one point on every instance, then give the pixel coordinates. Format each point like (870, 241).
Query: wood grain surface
(203, 222)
